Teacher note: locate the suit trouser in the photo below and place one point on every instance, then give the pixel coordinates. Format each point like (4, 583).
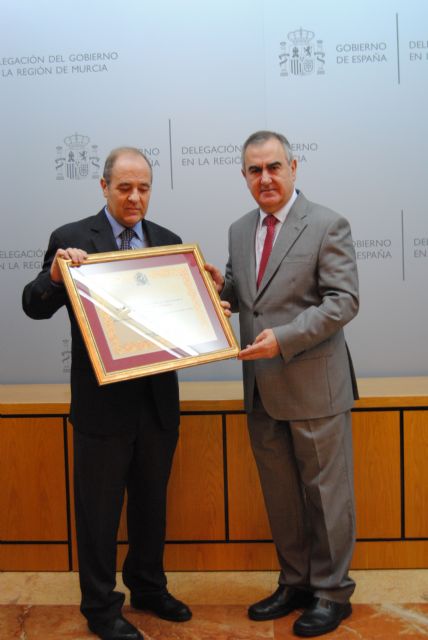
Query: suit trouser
(140, 462)
(306, 473)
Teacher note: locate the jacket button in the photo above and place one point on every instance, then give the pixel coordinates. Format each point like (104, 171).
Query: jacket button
(256, 314)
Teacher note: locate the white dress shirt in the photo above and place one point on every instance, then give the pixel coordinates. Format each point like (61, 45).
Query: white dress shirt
(262, 229)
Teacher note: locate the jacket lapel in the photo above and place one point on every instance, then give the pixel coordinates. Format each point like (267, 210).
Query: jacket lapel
(293, 227)
(152, 234)
(102, 236)
(248, 243)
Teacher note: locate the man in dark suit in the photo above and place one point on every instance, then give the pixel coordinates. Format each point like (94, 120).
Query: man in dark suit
(125, 433)
(292, 276)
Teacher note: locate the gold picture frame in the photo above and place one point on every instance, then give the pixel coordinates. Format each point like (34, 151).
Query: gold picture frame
(147, 311)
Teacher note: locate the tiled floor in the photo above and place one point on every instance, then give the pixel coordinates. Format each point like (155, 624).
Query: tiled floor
(44, 606)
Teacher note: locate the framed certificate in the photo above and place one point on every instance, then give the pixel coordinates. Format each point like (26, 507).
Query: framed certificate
(147, 311)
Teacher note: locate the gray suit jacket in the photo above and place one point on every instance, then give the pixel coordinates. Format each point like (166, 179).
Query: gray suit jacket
(308, 293)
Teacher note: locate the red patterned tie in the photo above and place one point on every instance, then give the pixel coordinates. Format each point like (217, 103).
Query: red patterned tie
(270, 222)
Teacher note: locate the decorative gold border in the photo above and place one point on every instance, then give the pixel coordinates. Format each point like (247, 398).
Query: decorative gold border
(105, 377)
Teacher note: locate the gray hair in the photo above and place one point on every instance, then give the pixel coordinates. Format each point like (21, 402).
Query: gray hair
(259, 137)
(114, 155)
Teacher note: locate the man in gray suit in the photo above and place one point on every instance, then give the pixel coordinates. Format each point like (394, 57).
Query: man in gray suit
(293, 300)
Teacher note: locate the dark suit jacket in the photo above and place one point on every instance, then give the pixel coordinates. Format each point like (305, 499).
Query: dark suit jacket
(113, 408)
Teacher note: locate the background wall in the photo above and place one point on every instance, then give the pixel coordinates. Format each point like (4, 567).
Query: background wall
(187, 82)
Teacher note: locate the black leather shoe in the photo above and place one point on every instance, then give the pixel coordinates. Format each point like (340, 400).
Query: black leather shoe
(281, 603)
(117, 629)
(321, 617)
(164, 605)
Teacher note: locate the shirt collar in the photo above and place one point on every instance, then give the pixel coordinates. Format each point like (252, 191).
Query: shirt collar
(117, 228)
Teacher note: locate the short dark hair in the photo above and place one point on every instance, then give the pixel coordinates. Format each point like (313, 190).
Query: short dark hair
(119, 151)
(259, 137)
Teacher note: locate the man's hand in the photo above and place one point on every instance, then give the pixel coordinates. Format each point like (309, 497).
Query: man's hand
(264, 346)
(78, 256)
(226, 308)
(216, 275)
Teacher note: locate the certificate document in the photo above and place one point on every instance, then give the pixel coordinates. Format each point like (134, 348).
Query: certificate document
(145, 311)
